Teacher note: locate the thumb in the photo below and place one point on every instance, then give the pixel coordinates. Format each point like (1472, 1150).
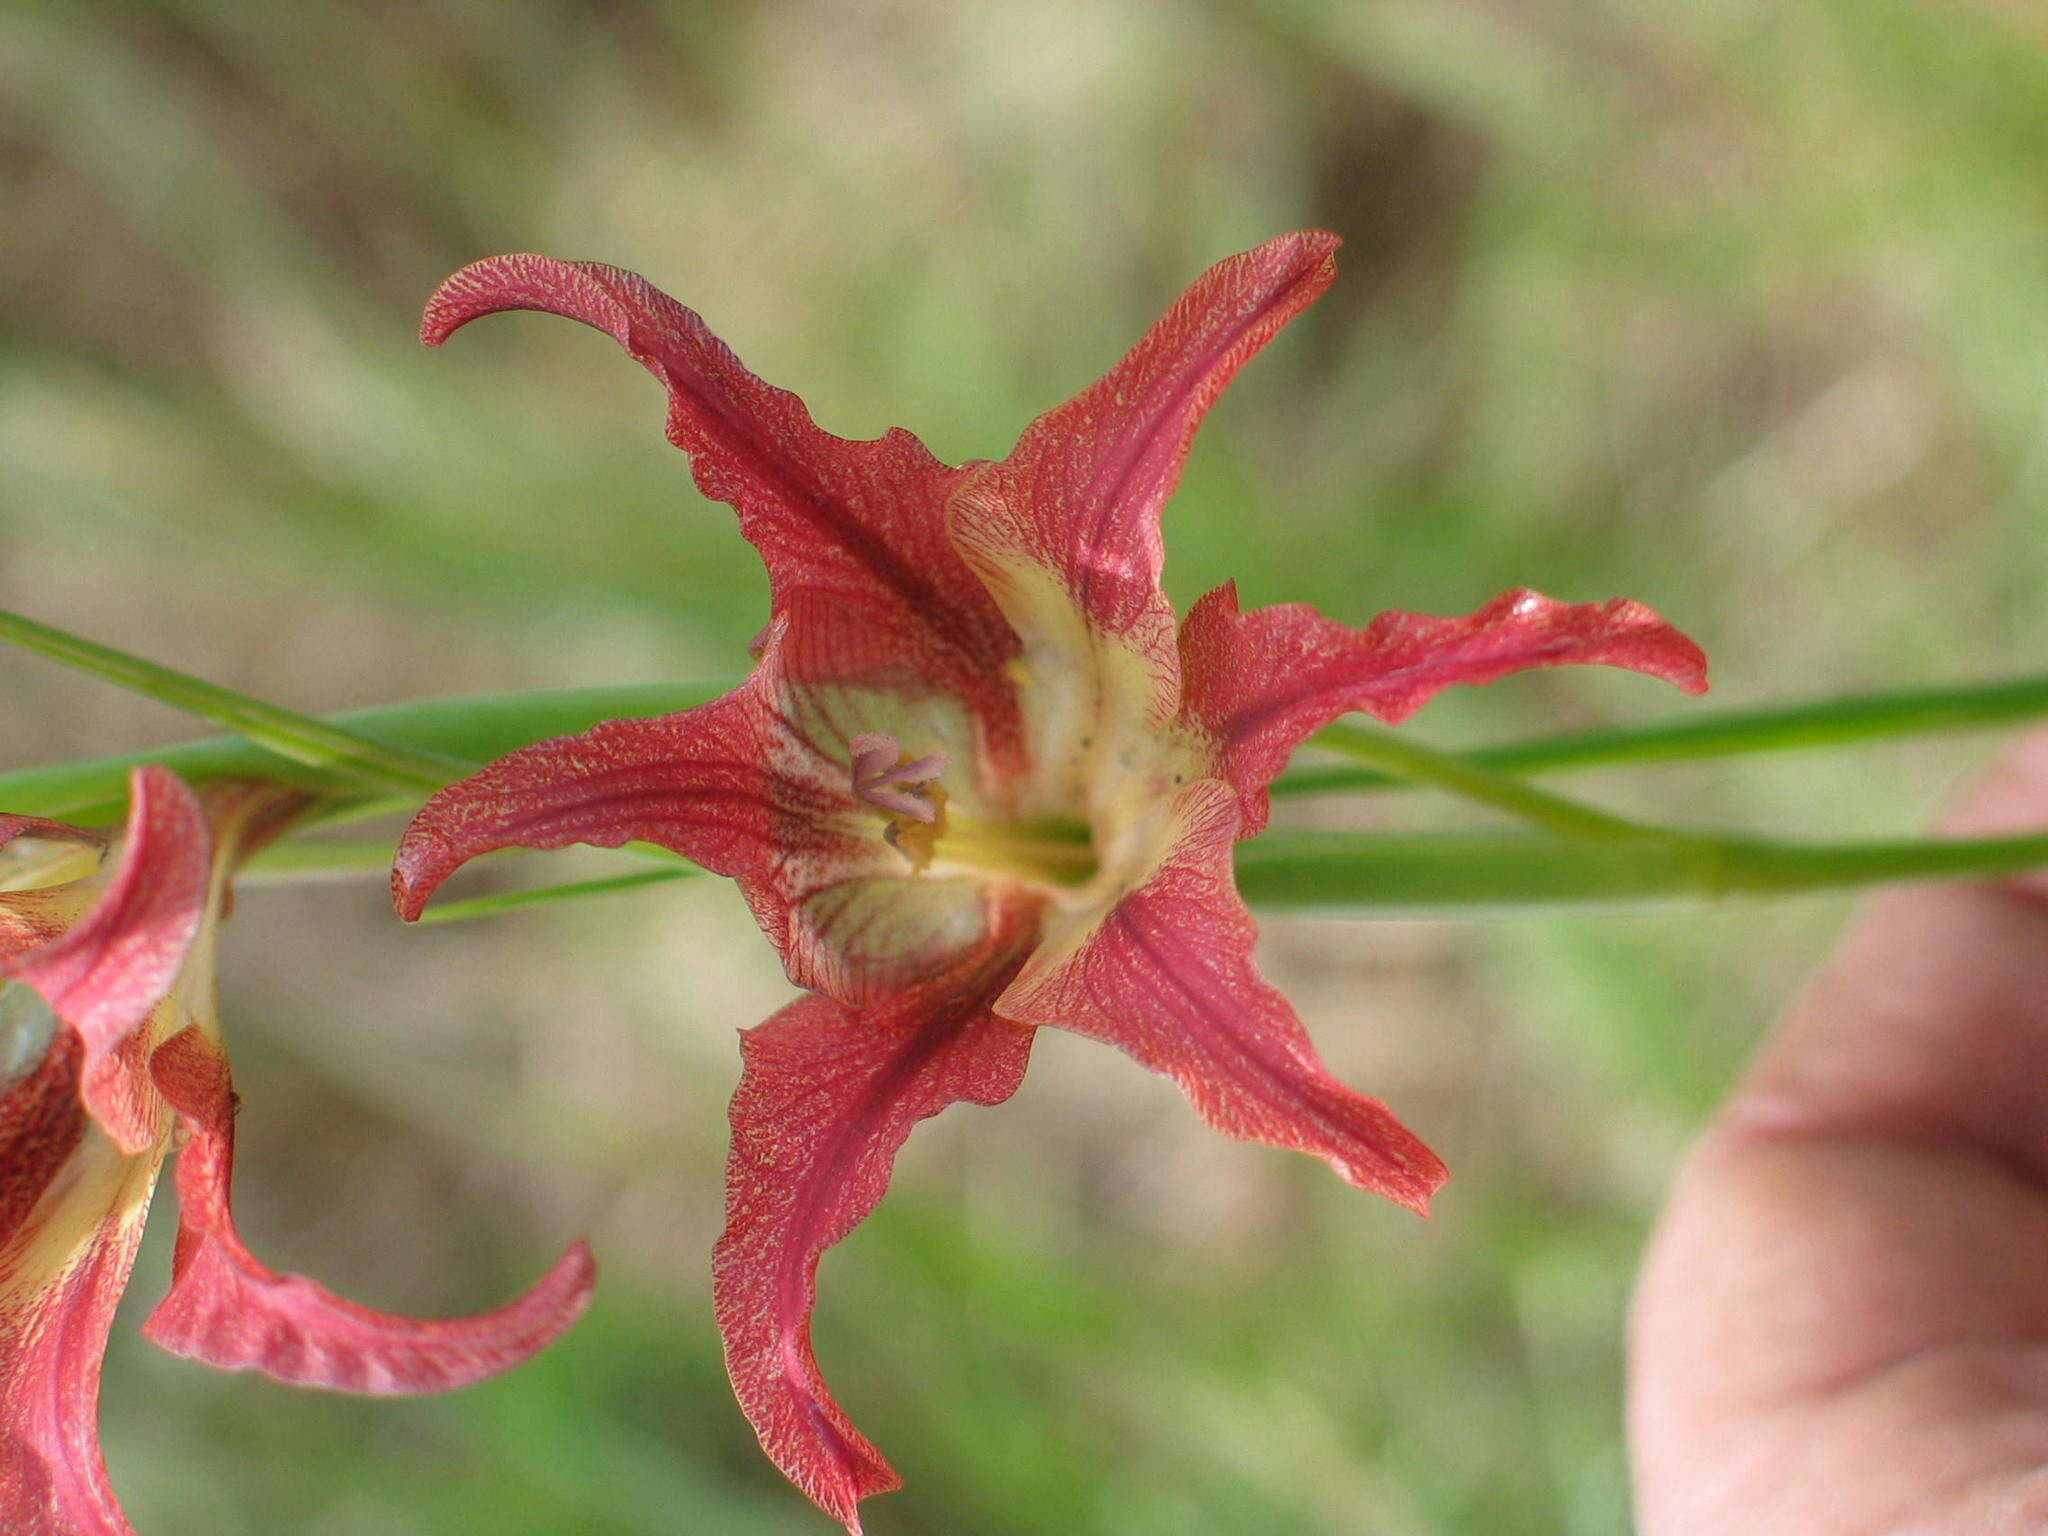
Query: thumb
(1842, 1326)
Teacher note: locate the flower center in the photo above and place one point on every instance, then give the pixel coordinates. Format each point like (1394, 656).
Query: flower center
(925, 831)
(889, 779)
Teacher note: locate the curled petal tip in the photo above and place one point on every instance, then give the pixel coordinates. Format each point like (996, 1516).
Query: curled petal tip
(228, 1310)
(1317, 244)
(230, 1313)
(416, 873)
(464, 295)
(1662, 649)
(574, 289)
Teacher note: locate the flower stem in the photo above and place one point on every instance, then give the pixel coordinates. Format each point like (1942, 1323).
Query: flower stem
(474, 729)
(1369, 873)
(1354, 872)
(480, 727)
(299, 738)
(1829, 723)
(1406, 759)
(512, 901)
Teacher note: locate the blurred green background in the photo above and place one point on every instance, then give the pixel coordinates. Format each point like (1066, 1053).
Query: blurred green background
(1733, 306)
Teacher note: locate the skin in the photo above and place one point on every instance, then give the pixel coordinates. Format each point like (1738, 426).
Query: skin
(1842, 1324)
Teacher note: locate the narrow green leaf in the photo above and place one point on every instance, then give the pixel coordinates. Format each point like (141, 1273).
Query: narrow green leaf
(480, 727)
(1376, 873)
(1692, 736)
(317, 744)
(476, 728)
(1340, 872)
(1412, 761)
(546, 895)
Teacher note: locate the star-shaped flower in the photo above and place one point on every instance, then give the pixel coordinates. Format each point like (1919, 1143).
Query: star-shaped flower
(111, 1058)
(980, 780)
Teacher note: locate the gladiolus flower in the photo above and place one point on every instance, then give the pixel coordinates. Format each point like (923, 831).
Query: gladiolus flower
(980, 780)
(111, 1058)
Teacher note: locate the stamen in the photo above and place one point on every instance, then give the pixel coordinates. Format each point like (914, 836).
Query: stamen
(879, 766)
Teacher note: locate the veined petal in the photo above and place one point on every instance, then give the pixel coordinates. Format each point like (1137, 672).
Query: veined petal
(107, 972)
(1258, 684)
(1079, 497)
(702, 782)
(827, 1097)
(230, 1311)
(1167, 976)
(861, 520)
(758, 786)
(71, 1212)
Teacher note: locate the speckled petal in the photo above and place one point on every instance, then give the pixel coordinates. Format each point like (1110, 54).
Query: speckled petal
(1167, 976)
(1260, 683)
(72, 1206)
(106, 973)
(756, 786)
(1078, 499)
(827, 1097)
(859, 521)
(230, 1311)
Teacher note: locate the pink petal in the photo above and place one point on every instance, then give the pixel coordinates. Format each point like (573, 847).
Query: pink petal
(1081, 493)
(1257, 684)
(827, 1098)
(107, 972)
(702, 782)
(228, 1310)
(71, 1213)
(1167, 976)
(859, 521)
(734, 785)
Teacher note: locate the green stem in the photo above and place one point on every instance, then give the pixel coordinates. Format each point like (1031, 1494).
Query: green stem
(1405, 758)
(512, 901)
(1296, 871)
(1369, 872)
(314, 743)
(1829, 723)
(475, 729)
(480, 727)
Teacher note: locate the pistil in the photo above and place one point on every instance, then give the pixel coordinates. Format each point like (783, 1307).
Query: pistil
(1054, 853)
(923, 829)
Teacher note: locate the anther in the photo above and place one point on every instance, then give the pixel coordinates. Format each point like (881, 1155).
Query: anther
(879, 768)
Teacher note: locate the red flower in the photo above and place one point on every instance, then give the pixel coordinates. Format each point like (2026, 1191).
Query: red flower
(981, 780)
(110, 1054)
